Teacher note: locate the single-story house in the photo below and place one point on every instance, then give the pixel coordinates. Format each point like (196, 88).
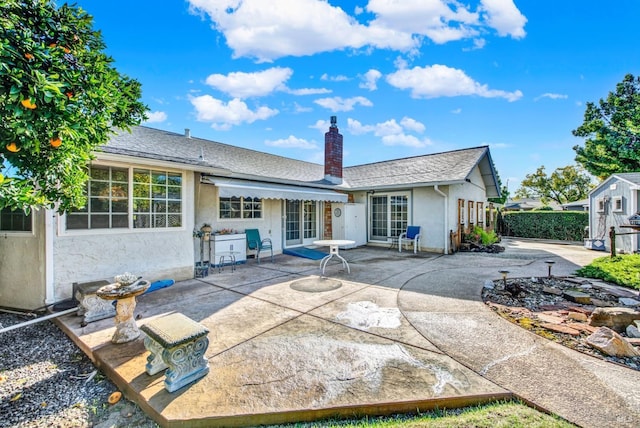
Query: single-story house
(611, 204)
(580, 205)
(529, 204)
(151, 190)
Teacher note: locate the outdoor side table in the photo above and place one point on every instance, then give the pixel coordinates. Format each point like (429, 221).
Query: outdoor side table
(176, 343)
(334, 251)
(228, 257)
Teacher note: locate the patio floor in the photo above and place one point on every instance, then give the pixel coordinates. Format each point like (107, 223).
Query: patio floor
(287, 345)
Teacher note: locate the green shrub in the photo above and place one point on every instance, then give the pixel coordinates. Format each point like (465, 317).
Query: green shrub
(623, 270)
(481, 236)
(561, 225)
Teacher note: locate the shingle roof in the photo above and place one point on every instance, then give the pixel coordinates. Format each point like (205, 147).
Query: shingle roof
(633, 177)
(446, 167)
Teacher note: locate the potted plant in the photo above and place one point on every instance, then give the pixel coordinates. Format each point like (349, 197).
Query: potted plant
(206, 231)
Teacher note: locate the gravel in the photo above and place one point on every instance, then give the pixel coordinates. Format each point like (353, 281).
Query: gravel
(47, 381)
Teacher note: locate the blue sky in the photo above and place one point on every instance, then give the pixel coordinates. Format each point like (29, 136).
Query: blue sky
(403, 77)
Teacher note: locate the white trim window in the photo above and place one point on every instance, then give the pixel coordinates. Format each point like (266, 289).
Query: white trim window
(600, 205)
(129, 198)
(617, 202)
(239, 208)
(15, 221)
(388, 215)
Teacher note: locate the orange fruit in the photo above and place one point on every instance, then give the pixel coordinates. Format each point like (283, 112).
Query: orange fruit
(115, 397)
(66, 49)
(52, 45)
(29, 56)
(28, 104)
(12, 147)
(69, 94)
(55, 142)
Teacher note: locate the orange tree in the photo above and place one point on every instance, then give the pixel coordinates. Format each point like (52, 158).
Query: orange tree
(60, 99)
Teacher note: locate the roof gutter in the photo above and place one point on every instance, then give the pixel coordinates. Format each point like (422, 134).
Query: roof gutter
(446, 217)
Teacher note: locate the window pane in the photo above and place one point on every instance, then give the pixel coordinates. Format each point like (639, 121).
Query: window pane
(159, 191)
(119, 206)
(175, 220)
(120, 174)
(120, 220)
(99, 205)
(175, 179)
(159, 206)
(120, 190)
(100, 173)
(141, 205)
(141, 176)
(141, 221)
(159, 177)
(174, 192)
(141, 191)
(16, 220)
(99, 221)
(99, 188)
(174, 207)
(77, 221)
(159, 220)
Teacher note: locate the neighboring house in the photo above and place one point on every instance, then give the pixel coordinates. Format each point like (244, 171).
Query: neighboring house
(151, 189)
(611, 204)
(529, 204)
(581, 205)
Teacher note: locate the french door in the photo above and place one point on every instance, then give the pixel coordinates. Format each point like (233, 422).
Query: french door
(389, 216)
(301, 222)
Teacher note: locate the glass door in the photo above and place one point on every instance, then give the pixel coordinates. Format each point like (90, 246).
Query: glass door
(292, 222)
(379, 226)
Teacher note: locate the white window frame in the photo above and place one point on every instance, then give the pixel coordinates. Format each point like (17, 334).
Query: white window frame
(615, 202)
(62, 225)
(390, 220)
(21, 232)
(242, 217)
(600, 205)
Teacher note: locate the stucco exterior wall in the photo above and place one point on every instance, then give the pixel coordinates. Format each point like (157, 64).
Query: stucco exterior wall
(152, 253)
(207, 211)
(428, 212)
(22, 266)
(600, 222)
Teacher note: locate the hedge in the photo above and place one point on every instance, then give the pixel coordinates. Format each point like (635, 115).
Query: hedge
(561, 225)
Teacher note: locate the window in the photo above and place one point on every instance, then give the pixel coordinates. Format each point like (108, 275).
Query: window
(600, 205)
(240, 207)
(15, 221)
(157, 199)
(461, 211)
(471, 213)
(107, 200)
(389, 216)
(618, 204)
(481, 214)
(310, 219)
(149, 199)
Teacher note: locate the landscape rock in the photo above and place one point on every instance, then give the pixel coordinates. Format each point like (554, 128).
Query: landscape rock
(633, 331)
(577, 316)
(561, 328)
(628, 301)
(577, 296)
(611, 343)
(488, 284)
(552, 290)
(615, 318)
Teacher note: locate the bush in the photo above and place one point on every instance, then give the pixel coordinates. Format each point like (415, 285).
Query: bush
(561, 225)
(623, 270)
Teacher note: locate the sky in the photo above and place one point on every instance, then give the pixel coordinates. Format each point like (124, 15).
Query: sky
(403, 77)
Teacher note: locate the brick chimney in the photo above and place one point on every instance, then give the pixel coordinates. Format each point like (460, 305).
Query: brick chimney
(333, 153)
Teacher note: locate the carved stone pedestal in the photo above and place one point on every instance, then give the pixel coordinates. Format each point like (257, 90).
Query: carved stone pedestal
(92, 307)
(177, 343)
(126, 327)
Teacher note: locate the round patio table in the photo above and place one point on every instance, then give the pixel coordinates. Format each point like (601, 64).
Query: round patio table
(334, 245)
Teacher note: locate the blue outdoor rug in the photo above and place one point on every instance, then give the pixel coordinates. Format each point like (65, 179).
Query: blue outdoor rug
(307, 253)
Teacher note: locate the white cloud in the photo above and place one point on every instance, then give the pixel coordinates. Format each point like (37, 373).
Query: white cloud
(309, 91)
(505, 17)
(551, 96)
(342, 104)
(477, 44)
(338, 78)
(391, 132)
(370, 79)
(457, 111)
(270, 30)
(292, 143)
(442, 81)
(225, 115)
(243, 85)
(500, 145)
(156, 117)
(300, 109)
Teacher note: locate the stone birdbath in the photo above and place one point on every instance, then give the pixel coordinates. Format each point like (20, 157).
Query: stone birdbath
(124, 292)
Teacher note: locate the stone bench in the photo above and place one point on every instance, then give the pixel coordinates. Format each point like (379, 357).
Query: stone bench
(92, 307)
(176, 343)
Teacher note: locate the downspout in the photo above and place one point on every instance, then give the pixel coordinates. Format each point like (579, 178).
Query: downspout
(446, 217)
(49, 228)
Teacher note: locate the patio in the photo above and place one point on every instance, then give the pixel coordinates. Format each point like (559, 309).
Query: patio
(283, 347)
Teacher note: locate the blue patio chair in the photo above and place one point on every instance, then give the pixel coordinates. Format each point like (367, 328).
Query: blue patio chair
(412, 234)
(254, 243)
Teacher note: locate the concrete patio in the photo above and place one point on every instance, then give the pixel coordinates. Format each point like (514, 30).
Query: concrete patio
(402, 332)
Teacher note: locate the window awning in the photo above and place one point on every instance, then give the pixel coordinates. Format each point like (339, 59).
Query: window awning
(228, 188)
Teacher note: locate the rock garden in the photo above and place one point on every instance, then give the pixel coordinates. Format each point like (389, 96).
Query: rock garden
(587, 315)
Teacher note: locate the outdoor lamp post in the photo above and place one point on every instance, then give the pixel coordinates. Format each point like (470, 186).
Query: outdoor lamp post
(549, 263)
(504, 277)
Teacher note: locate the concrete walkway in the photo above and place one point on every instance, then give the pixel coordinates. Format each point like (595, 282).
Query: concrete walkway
(401, 332)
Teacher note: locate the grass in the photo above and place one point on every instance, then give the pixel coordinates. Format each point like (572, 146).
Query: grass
(622, 270)
(511, 414)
